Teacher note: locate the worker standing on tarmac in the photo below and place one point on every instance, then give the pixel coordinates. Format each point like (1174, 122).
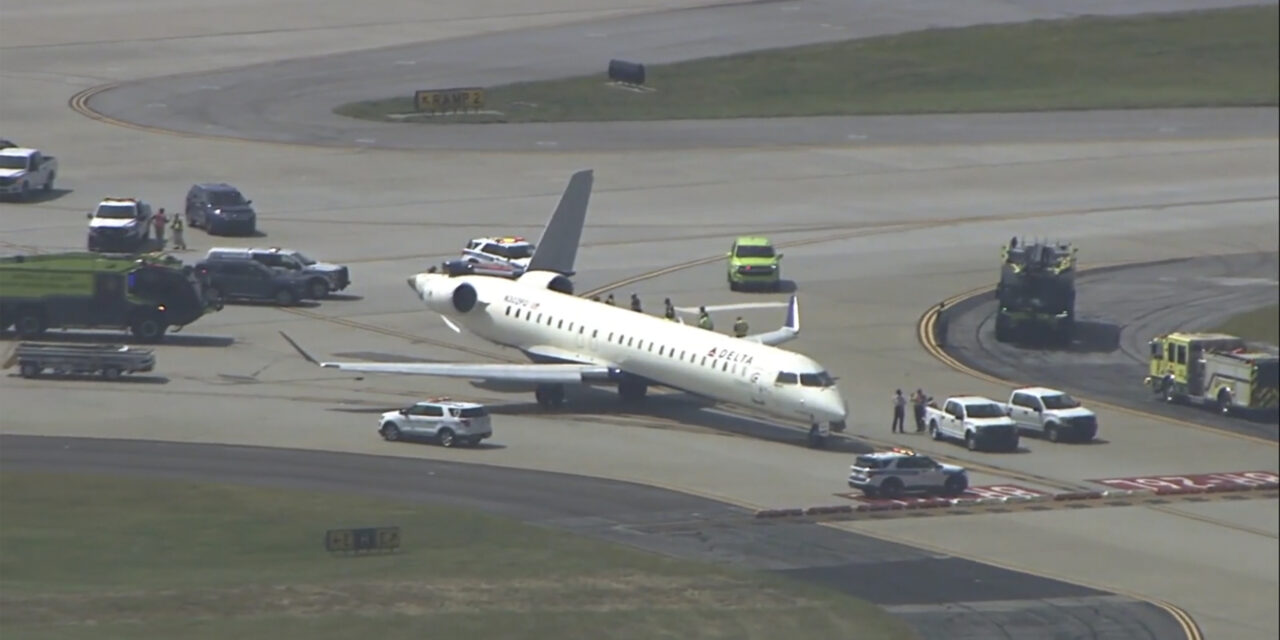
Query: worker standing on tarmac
(158, 221)
(739, 328)
(178, 241)
(899, 411)
(609, 300)
(704, 320)
(918, 400)
(635, 303)
(670, 311)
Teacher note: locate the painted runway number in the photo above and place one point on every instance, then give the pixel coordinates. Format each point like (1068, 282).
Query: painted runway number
(1193, 481)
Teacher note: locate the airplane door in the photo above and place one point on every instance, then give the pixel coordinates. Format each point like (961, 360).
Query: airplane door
(759, 387)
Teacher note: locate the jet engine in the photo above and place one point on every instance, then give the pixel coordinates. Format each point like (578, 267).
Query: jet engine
(547, 279)
(443, 294)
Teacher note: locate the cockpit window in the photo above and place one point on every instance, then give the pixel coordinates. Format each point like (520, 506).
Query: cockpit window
(787, 377)
(819, 379)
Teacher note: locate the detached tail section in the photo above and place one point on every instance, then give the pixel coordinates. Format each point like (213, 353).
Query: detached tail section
(557, 249)
(789, 330)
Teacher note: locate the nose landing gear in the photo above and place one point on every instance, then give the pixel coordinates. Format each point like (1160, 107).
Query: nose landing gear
(817, 436)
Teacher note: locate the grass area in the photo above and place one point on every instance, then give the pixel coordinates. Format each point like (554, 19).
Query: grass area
(101, 557)
(1259, 325)
(1190, 59)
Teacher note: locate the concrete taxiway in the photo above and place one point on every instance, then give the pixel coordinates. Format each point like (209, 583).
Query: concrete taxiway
(873, 236)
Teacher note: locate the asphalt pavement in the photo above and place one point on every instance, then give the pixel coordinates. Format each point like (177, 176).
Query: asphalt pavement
(1118, 311)
(293, 100)
(941, 596)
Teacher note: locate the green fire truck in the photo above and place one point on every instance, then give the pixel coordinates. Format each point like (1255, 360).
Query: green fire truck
(146, 294)
(1037, 292)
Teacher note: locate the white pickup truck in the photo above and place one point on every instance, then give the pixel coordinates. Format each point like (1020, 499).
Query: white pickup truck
(982, 423)
(24, 170)
(1052, 414)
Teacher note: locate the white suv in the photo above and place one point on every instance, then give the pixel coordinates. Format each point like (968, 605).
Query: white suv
(890, 474)
(511, 252)
(440, 420)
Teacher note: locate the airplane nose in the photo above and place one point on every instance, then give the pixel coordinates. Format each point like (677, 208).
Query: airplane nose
(833, 404)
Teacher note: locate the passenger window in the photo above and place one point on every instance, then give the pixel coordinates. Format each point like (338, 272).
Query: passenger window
(704, 361)
(629, 341)
(539, 320)
(508, 311)
(1156, 352)
(595, 333)
(560, 325)
(662, 351)
(724, 365)
(582, 331)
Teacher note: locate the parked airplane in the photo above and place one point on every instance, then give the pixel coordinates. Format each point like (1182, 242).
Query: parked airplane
(575, 341)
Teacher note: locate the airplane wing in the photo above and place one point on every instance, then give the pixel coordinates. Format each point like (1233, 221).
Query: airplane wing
(788, 331)
(557, 249)
(486, 372)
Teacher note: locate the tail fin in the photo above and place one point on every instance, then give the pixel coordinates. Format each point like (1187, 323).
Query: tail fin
(558, 247)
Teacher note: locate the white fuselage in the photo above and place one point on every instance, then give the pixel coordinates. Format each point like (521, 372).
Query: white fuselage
(546, 323)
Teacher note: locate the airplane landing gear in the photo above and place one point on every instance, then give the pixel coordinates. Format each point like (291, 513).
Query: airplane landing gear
(632, 389)
(817, 439)
(837, 426)
(549, 396)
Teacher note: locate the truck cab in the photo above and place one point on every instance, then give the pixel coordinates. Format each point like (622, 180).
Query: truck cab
(1053, 414)
(119, 224)
(981, 423)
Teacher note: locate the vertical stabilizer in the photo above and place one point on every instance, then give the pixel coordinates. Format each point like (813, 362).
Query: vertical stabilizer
(558, 247)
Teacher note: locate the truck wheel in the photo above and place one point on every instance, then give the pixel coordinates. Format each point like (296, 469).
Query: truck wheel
(445, 437)
(1224, 402)
(319, 288)
(111, 373)
(390, 432)
(29, 323)
(214, 296)
(25, 193)
(285, 298)
(970, 442)
(891, 488)
(48, 184)
(955, 485)
(1002, 329)
(29, 369)
(1052, 433)
(933, 430)
(147, 329)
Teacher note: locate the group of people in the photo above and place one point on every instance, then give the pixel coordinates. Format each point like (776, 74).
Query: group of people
(160, 220)
(740, 327)
(918, 403)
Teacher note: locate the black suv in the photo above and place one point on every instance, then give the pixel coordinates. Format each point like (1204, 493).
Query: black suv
(250, 280)
(219, 208)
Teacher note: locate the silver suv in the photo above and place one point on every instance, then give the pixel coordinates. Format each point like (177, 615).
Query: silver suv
(440, 420)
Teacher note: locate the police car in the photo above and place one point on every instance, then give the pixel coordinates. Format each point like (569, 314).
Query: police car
(890, 474)
(509, 252)
(441, 420)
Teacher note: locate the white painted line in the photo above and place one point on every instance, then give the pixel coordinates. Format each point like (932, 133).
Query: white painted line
(855, 136)
(366, 140)
(156, 105)
(208, 87)
(406, 62)
(734, 307)
(547, 143)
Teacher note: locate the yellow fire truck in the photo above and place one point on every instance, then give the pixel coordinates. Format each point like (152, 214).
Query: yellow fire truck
(1213, 369)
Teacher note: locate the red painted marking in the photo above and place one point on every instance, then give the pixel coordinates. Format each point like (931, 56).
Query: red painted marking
(917, 501)
(1234, 480)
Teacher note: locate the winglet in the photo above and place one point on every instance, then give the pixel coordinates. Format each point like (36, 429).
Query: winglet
(303, 352)
(557, 249)
(793, 315)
